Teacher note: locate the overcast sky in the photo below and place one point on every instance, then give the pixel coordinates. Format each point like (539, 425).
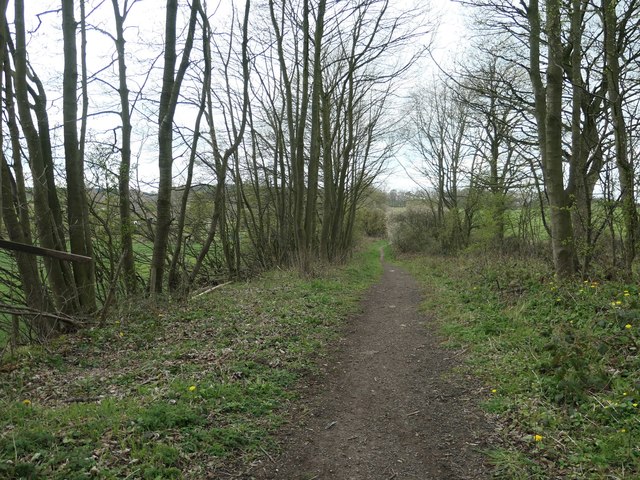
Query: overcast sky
(45, 52)
(448, 45)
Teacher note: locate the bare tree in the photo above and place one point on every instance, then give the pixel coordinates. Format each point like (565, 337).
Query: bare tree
(46, 203)
(77, 209)
(171, 83)
(124, 179)
(614, 39)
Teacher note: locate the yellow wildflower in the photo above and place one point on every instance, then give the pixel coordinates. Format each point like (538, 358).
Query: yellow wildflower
(121, 334)
(493, 390)
(537, 438)
(623, 430)
(618, 302)
(26, 402)
(627, 326)
(192, 388)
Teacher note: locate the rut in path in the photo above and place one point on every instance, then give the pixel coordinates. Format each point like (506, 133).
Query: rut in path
(390, 406)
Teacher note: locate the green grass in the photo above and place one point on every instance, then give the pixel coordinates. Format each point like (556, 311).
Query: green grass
(559, 360)
(181, 391)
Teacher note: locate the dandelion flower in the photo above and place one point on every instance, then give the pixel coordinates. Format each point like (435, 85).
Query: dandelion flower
(192, 388)
(537, 438)
(635, 405)
(121, 334)
(618, 302)
(623, 430)
(26, 402)
(493, 390)
(626, 293)
(627, 326)
(624, 394)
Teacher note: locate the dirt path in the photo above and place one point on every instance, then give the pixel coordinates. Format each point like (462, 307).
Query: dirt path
(390, 406)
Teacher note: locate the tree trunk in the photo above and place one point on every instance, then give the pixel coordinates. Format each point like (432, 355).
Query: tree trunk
(171, 83)
(623, 161)
(559, 201)
(47, 207)
(548, 113)
(77, 209)
(11, 203)
(314, 154)
(124, 195)
(221, 161)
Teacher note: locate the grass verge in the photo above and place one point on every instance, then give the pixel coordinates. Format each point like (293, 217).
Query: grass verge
(179, 392)
(560, 361)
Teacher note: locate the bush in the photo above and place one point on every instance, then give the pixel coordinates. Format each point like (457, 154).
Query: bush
(374, 222)
(414, 230)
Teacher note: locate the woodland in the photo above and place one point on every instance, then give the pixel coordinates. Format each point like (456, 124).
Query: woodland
(266, 130)
(167, 167)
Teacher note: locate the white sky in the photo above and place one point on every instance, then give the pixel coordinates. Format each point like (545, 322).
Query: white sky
(45, 52)
(449, 44)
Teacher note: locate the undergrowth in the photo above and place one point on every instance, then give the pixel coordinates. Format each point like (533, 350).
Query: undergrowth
(560, 361)
(183, 391)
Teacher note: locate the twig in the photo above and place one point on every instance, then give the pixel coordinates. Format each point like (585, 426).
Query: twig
(413, 413)
(45, 252)
(132, 473)
(208, 290)
(112, 291)
(267, 454)
(15, 448)
(18, 310)
(81, 399)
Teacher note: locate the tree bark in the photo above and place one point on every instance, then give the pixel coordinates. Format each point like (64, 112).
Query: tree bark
(548, 113)
(124, 194)
(46, 204)
(77, 209)
(311, 211)
(171, 83)
(559, 201)
(623, 160)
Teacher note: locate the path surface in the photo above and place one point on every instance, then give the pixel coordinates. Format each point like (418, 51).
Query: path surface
(389, 406)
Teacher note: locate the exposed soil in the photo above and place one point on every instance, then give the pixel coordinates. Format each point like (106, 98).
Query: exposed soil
(391, 404)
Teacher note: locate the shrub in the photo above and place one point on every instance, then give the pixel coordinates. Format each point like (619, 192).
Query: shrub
(373, 222)
(414, 230)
